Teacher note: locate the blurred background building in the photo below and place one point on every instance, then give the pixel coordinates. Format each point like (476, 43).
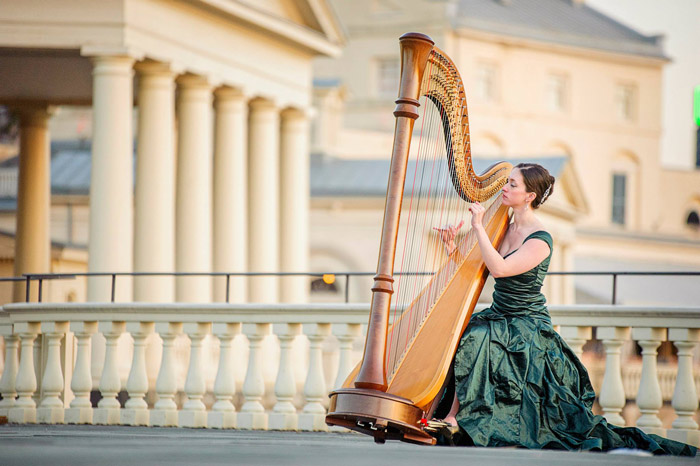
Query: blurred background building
(224, 94)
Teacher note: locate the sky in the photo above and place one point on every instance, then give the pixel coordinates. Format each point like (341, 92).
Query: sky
(679, 21)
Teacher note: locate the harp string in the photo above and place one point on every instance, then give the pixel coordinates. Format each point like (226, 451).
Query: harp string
(406, 254)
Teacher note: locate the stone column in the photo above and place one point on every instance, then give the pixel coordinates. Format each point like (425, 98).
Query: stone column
(154, 223)
(230, 194)
(193, 219)
(263, 176)
(612, 392)
(111, 181)
(33, 245)
(294, 205)
(649, 398)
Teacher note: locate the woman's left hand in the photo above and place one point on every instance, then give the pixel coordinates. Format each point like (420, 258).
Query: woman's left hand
(477, 211)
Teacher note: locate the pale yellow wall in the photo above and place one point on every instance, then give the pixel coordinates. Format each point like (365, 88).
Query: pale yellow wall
(680, 195)
(518, 121)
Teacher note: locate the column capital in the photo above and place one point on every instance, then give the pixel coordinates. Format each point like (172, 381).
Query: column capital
(293, 114)
(155, 68)
(261, 104)
(35, 114)
(225, 93)
(194, 81)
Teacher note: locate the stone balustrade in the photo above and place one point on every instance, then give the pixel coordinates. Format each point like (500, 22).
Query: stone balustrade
(277, 363)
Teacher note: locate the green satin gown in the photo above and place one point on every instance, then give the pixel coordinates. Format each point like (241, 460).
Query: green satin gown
(518, 383)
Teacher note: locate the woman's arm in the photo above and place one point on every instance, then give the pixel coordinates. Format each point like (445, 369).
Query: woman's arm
(525, 258)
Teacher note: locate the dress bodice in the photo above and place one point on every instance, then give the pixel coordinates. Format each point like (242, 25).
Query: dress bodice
(520, 294)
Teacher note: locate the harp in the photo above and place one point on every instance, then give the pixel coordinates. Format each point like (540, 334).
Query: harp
(411, 341)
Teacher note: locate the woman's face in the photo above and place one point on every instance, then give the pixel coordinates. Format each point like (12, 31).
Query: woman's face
(514, 192)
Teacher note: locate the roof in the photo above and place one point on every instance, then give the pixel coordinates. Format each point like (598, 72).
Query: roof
(566, 22)
(331, 177)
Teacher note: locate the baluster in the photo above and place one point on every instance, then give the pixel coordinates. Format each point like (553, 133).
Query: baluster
(51, 410)
(576, 337)
(135, 412)
(612, 393)
(194, 413)
(107, 411)
(24, 409)
(313, 417)
(164, 412)
(80, 411)
(252, 415)
(223, 413)
(9, 374)
(649, 397)
(284, 414)
(685, 396)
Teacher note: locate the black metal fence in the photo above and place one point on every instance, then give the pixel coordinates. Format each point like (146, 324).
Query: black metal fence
(40, 278)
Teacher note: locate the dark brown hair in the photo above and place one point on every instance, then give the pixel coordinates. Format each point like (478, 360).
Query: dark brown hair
(537, 180)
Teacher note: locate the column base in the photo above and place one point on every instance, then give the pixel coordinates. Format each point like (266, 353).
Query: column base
(252, 421)
(313, 422)
(221, 419)
(134, 417)
(164, 417)
(691, 437)
(50, 415)
(78, 416)
(660, 431)
(615, 418)
(5, 411)
(189, 418)
(22, 415)
(283, 421)
(106, 416)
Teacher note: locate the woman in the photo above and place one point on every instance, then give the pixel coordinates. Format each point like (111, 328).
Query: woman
(516, 382)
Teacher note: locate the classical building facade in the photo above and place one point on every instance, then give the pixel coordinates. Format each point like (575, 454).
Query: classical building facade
(216, 96)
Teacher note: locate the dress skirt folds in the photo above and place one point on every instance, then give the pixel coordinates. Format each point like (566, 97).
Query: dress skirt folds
(518, 383)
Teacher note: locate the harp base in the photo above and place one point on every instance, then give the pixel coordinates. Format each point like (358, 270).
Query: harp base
(379, 414)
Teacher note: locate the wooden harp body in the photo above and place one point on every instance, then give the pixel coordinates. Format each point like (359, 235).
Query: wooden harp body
(410, 347)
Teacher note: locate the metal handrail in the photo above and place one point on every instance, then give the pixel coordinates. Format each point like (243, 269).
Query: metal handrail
(40, 277)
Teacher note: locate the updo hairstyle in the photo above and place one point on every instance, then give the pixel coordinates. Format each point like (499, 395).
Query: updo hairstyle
(537, 180)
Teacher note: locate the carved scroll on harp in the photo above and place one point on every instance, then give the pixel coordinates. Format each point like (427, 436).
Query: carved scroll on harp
(416, 320)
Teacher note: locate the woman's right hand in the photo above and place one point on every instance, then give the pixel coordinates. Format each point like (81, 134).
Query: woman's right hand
(448, 234)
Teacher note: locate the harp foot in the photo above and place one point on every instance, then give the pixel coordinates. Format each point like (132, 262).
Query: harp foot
(381, 415)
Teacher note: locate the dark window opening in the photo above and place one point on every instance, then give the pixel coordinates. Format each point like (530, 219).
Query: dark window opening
(619, 198)
(697, 147)
(693, 220)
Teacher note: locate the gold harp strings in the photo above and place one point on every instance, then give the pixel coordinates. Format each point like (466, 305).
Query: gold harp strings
(431, 198)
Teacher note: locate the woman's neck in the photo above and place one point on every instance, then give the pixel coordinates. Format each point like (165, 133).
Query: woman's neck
(523, 218)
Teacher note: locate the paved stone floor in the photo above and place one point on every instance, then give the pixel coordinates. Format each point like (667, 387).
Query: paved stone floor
(29, 445)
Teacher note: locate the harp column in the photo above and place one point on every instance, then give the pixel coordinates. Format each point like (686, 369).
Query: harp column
(33, 246)
(294, 204)
(154, 225)
(193, 211)
(263, 176)
(111, 180)
(230, 193)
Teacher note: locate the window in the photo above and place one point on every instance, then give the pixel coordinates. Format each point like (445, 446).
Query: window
(388, 76)
(697, 147)
(693, 220)
(626, 96)
(557, 89)
(486, 81)
(618, 198)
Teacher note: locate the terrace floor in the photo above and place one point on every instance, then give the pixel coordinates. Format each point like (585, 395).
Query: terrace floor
(29, 445)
